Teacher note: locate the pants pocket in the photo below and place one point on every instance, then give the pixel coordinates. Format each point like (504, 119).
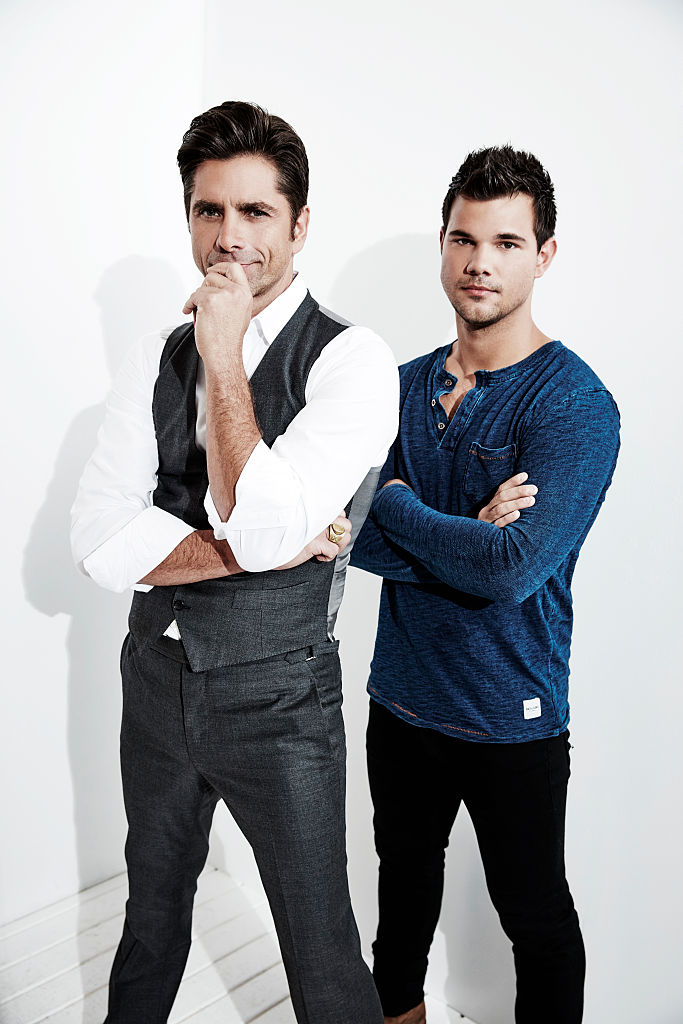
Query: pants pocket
(325, 672)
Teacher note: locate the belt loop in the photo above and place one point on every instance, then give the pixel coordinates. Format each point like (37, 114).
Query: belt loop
(311, 654)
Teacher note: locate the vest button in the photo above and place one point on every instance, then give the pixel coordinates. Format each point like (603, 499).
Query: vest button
(449, 383)
(442, 426)
(178, 605)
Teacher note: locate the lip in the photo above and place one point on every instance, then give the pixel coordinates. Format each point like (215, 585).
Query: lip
(250, 263)
(473, 290)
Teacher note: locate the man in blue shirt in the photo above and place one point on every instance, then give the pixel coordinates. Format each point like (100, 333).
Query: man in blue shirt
(470, 671)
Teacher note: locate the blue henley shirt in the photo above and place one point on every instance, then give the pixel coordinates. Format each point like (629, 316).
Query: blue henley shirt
(475, 621)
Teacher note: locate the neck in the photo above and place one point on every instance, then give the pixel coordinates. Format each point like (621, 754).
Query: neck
(501, 344)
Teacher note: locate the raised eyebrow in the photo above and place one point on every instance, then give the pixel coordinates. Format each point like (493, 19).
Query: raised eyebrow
(455, 233)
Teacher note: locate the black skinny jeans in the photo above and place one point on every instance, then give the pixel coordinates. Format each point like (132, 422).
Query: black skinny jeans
(516, 795)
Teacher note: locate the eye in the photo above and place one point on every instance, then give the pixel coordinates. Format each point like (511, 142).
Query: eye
(462, 241)
(255, 212)
(509, 245)
(207, 212)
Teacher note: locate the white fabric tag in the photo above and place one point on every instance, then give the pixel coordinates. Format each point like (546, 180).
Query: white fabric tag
(532, 708)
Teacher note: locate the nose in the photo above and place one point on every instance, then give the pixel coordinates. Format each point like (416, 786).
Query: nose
(478, 263)
(229, 236)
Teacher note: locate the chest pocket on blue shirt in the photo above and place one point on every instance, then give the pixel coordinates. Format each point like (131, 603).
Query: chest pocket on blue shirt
(485, 469)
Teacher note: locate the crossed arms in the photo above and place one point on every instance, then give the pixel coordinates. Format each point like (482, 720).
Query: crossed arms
(285, 495)
(568, 451)
(201, 557)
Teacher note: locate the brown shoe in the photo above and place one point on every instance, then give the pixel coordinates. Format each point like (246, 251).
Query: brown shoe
(418, 1015)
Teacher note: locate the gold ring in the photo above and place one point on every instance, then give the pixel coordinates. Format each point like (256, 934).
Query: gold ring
(335, 532)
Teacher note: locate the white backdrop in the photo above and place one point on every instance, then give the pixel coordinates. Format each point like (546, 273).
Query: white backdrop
(388, 104)
(95, 251)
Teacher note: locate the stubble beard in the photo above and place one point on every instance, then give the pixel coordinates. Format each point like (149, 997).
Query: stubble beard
(478, 316)
(479, 321)
(267, 286)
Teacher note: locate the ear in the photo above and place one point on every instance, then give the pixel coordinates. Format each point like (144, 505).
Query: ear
(442, 235)
(546, 255)
(300, 229)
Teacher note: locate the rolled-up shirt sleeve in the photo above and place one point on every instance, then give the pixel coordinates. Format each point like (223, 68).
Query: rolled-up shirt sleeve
(117, 535)
(289, 492)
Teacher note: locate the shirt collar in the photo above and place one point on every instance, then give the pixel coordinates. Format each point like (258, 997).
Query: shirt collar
(270, 321)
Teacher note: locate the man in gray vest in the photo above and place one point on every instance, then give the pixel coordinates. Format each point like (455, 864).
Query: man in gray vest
(228, 449)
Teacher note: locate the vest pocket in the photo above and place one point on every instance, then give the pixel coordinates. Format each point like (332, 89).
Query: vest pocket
(276, 599)
(485, 469)
(273, 620)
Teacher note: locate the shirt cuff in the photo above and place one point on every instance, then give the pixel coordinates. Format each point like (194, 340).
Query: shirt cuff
(267, 495)
(135, 549)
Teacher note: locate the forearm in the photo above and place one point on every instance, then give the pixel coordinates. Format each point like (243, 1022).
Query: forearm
(569, 451)
(231, 431)
(291, 489)
(375, 552)
(198, 557)
(466, 554)
(117, 534)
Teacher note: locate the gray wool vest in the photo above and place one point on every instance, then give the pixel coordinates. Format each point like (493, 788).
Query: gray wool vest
(248, 616)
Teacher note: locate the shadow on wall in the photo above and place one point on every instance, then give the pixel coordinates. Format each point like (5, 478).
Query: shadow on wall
(135, 295)
(394, 287)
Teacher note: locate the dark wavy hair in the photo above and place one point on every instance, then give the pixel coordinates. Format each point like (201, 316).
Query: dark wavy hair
(234, 128)
(503, 171)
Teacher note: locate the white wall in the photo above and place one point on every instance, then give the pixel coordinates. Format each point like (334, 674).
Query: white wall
(388, 104)
(96, 98)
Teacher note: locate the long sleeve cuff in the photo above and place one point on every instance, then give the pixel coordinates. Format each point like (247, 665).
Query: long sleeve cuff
(134, 550)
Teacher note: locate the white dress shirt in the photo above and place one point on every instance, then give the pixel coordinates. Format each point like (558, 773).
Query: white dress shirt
(286, 494)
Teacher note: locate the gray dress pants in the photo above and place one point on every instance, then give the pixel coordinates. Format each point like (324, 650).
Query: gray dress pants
(268, 738)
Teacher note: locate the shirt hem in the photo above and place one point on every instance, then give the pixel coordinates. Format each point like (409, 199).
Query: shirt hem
(460, 732)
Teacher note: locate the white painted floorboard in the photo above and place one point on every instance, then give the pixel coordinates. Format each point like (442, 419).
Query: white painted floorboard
(54, 963)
